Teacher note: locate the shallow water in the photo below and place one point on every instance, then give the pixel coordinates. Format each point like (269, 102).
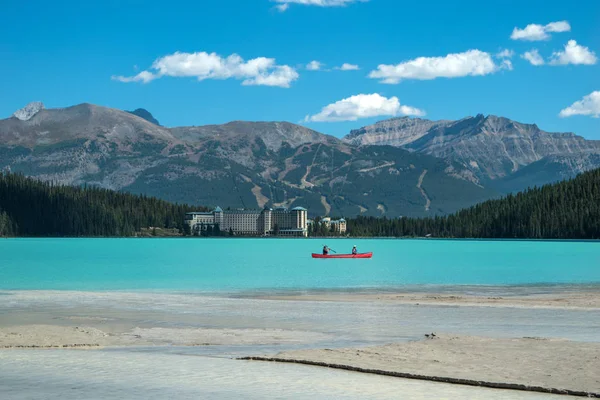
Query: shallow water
(344, 323)
(134, 375)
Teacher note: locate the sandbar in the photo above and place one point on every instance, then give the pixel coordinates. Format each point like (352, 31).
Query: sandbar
(535, 364)
(57, 336)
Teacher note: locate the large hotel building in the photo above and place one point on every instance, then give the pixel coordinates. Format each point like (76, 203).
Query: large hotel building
(266, 222)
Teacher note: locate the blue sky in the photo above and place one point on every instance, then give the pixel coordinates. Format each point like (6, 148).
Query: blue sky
(68, 52)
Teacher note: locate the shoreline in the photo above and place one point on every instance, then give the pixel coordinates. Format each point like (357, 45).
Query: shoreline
(508, 290)
(560, 296)
(420, 238)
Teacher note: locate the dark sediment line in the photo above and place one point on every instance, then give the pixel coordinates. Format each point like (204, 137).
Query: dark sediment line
(457, 381)
(50, 346)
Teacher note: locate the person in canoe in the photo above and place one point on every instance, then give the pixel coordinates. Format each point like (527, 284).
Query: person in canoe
(354, 251)
(325, 250)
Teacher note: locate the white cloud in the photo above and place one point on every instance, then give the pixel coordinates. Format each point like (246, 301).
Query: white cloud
(589, 105)
(281, 76)
(535, 32)
(505, 56)
(506, 53)
(143, 77)
(506, 64)
(362, 106)
(348, 67)
(469, 63)
(314, 66)
(284, 4)
(573, 54)
(201, 65)
(560, 26)
(533, 56)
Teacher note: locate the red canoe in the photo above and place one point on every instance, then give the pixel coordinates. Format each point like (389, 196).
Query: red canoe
(359, 255)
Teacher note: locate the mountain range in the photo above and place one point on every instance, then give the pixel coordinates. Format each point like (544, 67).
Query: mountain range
(399, 167)
(500, 153)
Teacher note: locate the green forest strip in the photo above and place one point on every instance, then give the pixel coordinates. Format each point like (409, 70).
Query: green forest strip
(29, 207)
(565, 210)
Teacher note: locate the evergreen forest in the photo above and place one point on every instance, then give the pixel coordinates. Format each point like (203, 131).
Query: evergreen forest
(564, 210)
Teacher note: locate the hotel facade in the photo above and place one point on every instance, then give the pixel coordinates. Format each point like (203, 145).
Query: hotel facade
(266, 222)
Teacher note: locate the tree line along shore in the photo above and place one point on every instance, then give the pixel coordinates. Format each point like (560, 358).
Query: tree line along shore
(30, 208)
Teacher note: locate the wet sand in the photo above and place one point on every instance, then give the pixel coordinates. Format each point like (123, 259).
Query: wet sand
(335, 325)
(560, 300)
(535, 364)
(56, 336)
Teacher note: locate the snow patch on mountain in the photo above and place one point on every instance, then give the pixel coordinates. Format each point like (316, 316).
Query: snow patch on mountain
(27, 112)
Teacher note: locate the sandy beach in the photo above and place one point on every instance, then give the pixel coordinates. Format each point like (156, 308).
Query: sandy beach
(545, 341)
(535, 364)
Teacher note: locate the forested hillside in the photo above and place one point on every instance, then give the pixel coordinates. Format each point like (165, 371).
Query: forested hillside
(565, 210)
(32, 208)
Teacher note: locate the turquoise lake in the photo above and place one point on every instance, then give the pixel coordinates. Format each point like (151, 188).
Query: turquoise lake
(280, 264)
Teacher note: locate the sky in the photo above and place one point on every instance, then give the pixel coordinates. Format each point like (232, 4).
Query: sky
(330, 65)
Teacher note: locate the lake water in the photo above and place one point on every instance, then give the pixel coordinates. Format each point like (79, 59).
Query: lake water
(275, 264)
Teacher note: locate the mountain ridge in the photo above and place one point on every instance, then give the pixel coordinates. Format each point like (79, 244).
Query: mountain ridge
(241, 163)
(402, 166)
(85, 121)
(491, 147)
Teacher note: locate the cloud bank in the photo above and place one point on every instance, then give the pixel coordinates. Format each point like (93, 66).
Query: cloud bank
(259, 71)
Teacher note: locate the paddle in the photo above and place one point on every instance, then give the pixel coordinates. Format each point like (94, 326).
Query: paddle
(330, 249)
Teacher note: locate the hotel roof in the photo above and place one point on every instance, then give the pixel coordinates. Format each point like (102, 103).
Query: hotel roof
(242, 212)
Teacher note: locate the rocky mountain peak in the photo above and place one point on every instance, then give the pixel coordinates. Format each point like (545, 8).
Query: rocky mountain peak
(500, 125)
(491, 146)
(394, 132)
(33, 127)
(27, 112)
(145, 114)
